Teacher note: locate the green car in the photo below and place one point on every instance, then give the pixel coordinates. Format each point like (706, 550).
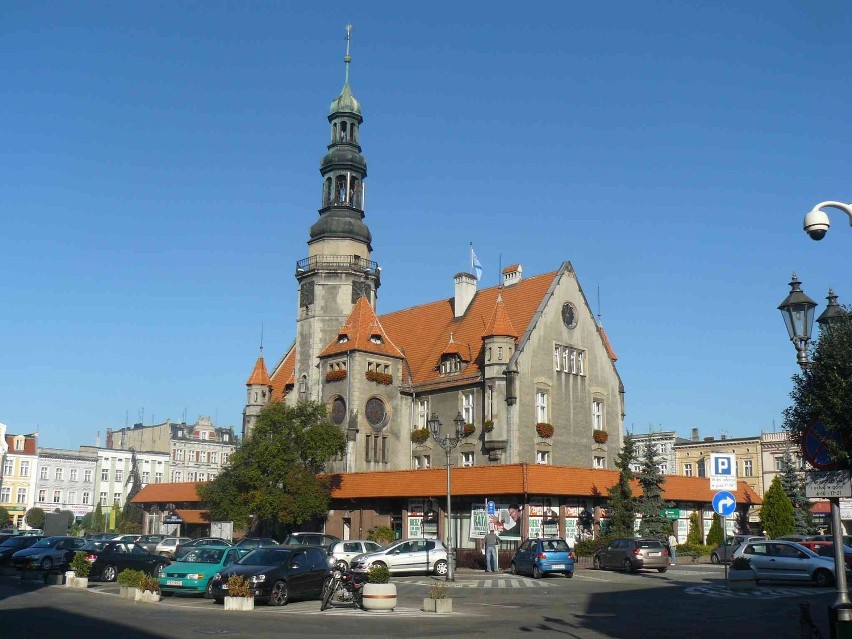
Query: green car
(193, 573)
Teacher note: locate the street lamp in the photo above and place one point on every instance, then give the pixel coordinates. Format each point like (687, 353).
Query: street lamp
(816, 222)
(798, 312)
(448, 443)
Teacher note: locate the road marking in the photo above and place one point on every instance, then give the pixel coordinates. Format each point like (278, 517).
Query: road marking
(484, 583)
(497, 605)
(722, 592)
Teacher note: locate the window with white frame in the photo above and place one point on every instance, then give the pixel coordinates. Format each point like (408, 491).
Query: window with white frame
(119, 476)
(72, 496)
(427, 461)
(116, 498)
(9, 467)
(178, 475)
(204, 434)
(105, 474)
(542, 457)
(214, 458)
(467, 458)
(190, 476)
(581, 363)
(59, 473)
(86, 496)
(5, 495)
(103, 499)
(557, 358)
(687, 470)
(599, 462)
(597, 414)
(664, 468)
(158, 478)
(540, 407)
(192, 455)
(202, 476)
(73, 473)
(44, 472)
(25, 468)
(22, 496)
(467, 407)
(42, 495)
(566, 359)
(422, 412)
(19, 443)
(573, 362)
(203, 456)
(779, 463)
(146, 477)
(748, 469)
(179, 455)
(87, 475)
(57, 496)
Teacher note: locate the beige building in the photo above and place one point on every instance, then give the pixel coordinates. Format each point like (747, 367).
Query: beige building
(773, 447)
(693, 457)
(18, 476)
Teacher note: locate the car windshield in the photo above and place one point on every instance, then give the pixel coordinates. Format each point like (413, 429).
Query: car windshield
(265, 557)
(554, 545)
(13, 542)
(206, 556)
(47, 542)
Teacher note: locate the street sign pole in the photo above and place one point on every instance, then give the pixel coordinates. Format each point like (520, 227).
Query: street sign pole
(724, 540)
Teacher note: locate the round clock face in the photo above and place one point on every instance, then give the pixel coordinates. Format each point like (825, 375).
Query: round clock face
(569, 315)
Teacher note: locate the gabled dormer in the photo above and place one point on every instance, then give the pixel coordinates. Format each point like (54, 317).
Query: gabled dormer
(453, 358)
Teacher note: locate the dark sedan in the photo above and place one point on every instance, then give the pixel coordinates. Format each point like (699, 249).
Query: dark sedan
(48, 553)
(108, 558)
(278, 574)
(13, 545)
(182, 549)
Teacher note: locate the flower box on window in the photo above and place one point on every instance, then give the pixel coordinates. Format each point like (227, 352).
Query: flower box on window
(468, 430)
(335, 376)
(544, 429)
(379, 378)
(600, 436)
(420, 435)
(487, 426)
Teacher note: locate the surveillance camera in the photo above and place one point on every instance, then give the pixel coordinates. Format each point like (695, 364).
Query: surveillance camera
(816, 224)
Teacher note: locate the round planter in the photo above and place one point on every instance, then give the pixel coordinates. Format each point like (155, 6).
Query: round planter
(379, 597)
(741, 579)
(239, 603)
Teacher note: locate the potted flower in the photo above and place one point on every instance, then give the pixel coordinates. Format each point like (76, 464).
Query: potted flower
(379, 378)
(335, 376)
(487, 425)
(600, 436)
(240, 594)
(420, 435)
(468, 430)
(544, 430)
(741, 576)
(150, 589)
(438, 601)
(81, 567)
(130, 583)
(379, 595)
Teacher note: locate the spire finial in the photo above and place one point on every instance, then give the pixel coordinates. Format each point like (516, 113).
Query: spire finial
(347, 58)
(261, 338)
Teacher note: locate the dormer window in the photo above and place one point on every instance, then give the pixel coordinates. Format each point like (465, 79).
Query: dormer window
(450, 364)
(342, 338)
(376, 339)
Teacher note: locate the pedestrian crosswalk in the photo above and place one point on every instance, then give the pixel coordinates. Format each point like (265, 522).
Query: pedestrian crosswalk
(508, 582)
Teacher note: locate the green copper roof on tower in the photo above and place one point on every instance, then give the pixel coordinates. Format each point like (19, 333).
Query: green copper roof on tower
(346, 102)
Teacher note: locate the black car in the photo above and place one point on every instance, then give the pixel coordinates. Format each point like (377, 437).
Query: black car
(182, 549)
(279, 573)
(108, 558)
(13, 545)
(310, 539)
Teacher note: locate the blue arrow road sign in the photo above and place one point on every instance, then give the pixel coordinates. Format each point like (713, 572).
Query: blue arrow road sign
(724, 503)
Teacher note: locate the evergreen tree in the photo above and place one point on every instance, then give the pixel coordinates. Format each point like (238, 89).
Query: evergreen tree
(132, 514)
(715, 536)
(776, 515)
(622, 505)
(5, 517)
(794, 488)
(695, 536)
(651, 504)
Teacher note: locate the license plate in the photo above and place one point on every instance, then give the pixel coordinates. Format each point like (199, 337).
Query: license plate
(653, 554)
(174, 582)
(558, 566)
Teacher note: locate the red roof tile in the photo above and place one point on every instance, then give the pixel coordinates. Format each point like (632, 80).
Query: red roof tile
(165, 493)
(193, 516)
(259, 374)
(500, 324)
(608, 346)
(362, 332)
(510, 268)
(283, 375)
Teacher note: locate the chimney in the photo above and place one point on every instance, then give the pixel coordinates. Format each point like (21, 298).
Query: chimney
(465, 292)
(695, 434)
(512, 274)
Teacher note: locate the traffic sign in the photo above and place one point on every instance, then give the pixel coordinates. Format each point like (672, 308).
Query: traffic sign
(816, 442)
(670, 513)
(491, 508)
(723, 471)
(724, 503)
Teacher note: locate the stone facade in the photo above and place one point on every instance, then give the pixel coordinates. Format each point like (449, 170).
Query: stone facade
(112, 473)
(17, 480)
(66, 480)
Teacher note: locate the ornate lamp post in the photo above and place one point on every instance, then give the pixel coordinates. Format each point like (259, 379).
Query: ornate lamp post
(798, 312)
(448, 443)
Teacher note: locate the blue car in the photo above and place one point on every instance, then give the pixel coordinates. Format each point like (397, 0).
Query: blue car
(537, 557)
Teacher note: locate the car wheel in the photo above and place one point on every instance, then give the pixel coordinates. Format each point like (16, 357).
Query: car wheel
(714, 558)
(109, 573)
(823, 578)
(597, 563)
(536, 572)
(662, 569)
(628, 567)
(208, 591)
(513, 569)
(279, 594)
(569, 574)
(46, 563)
(441, 567)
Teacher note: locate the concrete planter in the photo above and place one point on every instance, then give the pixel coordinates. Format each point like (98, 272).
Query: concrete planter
(69, 579)
(438, 605)
(81, 582)
(149, 596)
(129, 592)
(379, 597)
(137, 594)
(239, 603)
(741, 579)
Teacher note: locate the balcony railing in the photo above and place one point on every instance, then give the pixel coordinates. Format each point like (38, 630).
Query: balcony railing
(336, 261)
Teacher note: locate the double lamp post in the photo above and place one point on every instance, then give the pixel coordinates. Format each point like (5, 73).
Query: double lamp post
(448, 442)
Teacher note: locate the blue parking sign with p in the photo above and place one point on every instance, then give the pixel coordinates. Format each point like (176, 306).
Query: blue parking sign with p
(723, 466)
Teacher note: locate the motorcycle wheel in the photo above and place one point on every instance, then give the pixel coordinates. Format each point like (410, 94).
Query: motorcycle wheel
(327, 592)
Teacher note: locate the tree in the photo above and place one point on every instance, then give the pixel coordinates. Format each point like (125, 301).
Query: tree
(5, 517)
(776, 515)
(274, 479)
(794, 488)
(695, 536)
(651, 504)
(622, 505)
(715, 535)
(823, 390)
(35, 518)
(132, 514)
(93, 521)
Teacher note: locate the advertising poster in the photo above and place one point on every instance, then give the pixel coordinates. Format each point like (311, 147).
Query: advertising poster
(415, 526)
(572, 508)
(507, 520)
(415, 507)
(478, 521)
(570, 528)
(423, 518)
(535, 527)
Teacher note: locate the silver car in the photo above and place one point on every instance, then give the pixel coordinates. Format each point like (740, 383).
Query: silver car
(786, 561)
(168, 546)
(345, 551)
(406, 556)
(723, 553)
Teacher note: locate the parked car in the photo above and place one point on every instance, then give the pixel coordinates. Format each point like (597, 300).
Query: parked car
(108, 558)
(99, 536)
(126, 539)
(250, 543)
(149, 542)
(166, 548)
(344, 551)
(309, 539)
(796, 538)
(185, 547)
(826, 549)
(541, 556)
(723, 553)
(278, 574)
(786, 561)
(193, 573)
(847, 539)
(408, 555)
(48, 553)
(13, 545)
(631, 555)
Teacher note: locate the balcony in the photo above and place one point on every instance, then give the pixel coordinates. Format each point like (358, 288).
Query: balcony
(352, 262)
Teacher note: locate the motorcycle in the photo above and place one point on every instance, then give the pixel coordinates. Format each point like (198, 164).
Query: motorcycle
(342, 587)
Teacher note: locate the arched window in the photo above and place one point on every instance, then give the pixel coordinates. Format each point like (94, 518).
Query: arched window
(334, 132)
(343, 132)
(326, 197)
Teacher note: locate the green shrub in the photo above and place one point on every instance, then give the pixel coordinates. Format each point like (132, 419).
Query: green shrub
(740, 563)
(589, 547)
(378, 575)
(80, 565)
(693, 551)
(150, 583)
(239, 586)
(714, 535)
(438, 590)
(130, 578)
(695, 536)
(381, 534)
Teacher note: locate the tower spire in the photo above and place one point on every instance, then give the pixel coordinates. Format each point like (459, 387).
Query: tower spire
(348, 58)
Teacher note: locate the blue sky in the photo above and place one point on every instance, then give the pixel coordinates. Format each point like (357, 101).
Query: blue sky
(159, 173)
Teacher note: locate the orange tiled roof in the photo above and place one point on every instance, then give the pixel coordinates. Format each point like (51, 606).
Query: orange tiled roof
(608, 346)
(283, 375)
(453, 349)
(29, 444)
(500, 324)
(510, 268)
(193, 516)
(362, 331)
(165, 493)
(511, 479)
(259, 374)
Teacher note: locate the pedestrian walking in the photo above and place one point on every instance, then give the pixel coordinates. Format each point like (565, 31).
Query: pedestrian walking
(672, 547)
(491, 540)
